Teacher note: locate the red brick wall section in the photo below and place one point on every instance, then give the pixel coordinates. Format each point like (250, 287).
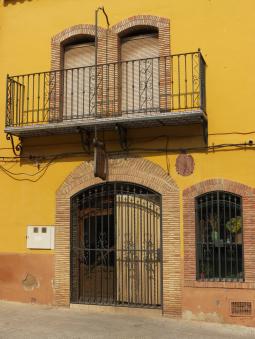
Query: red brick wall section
(135, 170)
(248, 198)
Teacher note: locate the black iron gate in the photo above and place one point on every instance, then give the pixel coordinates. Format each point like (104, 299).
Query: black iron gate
(116, 246)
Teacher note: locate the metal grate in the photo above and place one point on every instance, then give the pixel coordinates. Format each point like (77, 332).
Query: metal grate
(219, 237)
(241, 308)
(116, 246)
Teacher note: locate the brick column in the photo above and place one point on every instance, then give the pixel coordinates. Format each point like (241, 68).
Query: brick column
(108, 74)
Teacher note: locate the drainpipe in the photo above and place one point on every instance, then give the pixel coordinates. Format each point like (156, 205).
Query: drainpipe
(100, 8)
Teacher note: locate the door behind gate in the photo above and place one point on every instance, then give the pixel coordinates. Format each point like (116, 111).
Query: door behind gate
(116, 246)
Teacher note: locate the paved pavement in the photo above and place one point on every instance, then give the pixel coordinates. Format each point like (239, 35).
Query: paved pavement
(33, 321)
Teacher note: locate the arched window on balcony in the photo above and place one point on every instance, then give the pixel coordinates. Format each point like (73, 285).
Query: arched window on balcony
(79, 76)
(139, 54)
(219, 237)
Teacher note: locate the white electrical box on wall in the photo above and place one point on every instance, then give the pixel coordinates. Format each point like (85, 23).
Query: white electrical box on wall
(40, 237)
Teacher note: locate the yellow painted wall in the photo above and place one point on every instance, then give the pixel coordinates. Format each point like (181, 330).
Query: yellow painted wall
(225, 32)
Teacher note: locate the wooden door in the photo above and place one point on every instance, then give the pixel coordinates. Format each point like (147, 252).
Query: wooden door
(138, 250)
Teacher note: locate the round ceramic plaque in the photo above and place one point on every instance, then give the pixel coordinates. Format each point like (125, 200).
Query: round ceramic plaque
(184, 164)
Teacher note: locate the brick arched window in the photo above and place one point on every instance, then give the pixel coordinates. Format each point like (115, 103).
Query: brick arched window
(139, 54)
(131, 87)
(144, 52)
(219, 216)
(219, 233)
(72, 86)
(78, 78)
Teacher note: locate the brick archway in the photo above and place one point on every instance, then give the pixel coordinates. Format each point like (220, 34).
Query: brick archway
(138, 171)
(68, 34)
(161, 23)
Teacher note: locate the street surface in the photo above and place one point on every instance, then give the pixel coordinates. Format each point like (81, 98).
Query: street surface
(33, 321)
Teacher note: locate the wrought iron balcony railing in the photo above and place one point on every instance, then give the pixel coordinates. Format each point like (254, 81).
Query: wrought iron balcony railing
(128, 89)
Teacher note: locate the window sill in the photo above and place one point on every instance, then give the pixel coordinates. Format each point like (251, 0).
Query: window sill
(219, 284)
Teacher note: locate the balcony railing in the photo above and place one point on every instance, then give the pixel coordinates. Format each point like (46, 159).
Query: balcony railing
(137, 88)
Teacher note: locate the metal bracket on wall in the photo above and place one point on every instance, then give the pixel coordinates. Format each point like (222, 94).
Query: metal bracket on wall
(205, 130)
(86, 139)
(17, 150)
(123, 137)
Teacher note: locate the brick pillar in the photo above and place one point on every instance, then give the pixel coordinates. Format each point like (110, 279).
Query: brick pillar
(164, 66)
(108, 74)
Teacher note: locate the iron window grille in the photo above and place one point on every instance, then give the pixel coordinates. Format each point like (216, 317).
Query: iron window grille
(219, 237)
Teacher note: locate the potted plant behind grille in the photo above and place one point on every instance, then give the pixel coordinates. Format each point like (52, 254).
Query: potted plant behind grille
(213, 221)
(234, 226)
(215, 234)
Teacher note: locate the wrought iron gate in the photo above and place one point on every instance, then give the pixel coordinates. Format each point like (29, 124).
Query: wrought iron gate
(116, 246)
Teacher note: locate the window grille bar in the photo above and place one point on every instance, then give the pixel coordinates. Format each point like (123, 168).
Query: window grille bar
(115, 246)
(161, 84)
(219, 232)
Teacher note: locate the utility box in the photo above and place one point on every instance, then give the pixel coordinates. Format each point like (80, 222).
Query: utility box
(40, 237)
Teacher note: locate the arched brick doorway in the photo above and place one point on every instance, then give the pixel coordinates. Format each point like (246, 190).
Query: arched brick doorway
(116, 252)
(137, 171)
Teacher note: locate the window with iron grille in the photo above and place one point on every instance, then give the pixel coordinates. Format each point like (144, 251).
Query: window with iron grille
(219, 237)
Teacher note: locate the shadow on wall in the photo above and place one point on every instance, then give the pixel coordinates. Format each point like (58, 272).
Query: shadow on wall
(14, 2)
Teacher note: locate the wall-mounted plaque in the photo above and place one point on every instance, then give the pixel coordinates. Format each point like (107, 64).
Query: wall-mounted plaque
(184, 164)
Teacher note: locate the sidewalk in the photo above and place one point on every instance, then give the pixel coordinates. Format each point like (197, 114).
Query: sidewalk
(33, 321)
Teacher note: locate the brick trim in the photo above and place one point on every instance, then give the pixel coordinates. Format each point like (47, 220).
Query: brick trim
(58, 40)
(66, 35)
(221, 284)
(163, 26)
(113, 51)
(135, 170)
(248, 199)
(161, 23)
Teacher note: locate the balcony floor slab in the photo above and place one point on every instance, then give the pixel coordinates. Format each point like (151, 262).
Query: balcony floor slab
(138, 120)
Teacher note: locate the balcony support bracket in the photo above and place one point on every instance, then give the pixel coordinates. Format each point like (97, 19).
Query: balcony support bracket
(86, 139)
(122, 136)
(17, 150)
(205, 130)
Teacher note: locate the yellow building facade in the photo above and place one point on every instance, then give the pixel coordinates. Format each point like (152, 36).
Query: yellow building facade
(171, 225)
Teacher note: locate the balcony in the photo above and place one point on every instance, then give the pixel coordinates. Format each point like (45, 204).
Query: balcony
(168, 90)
